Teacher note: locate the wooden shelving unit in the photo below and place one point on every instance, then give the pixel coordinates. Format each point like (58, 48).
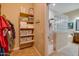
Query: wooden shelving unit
(29, 22)
(28, 32)
(26, 28)
(26, 15)
(27, 42)
(30, 35)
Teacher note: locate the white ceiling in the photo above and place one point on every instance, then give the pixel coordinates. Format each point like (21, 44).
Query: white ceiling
(64, 7)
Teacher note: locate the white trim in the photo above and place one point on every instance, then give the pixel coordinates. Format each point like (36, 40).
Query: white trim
(46, 30)
(37, 51)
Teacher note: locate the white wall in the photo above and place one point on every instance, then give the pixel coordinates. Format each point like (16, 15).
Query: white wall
(62, 31)
(51, 14)
(73, 14)
(49, 44)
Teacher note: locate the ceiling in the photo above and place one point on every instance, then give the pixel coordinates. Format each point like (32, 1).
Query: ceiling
(64, 7)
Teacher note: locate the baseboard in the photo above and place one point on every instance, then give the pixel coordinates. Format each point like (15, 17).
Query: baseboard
(16, 48)
(37, 51)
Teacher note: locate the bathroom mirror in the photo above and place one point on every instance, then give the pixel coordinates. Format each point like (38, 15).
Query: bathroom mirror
(70, 25)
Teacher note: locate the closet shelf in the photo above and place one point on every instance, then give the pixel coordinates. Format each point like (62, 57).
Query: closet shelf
(26, 28)
(27, 35)
(27, 42)
(26, 15)
(29, 22)
(26, 23)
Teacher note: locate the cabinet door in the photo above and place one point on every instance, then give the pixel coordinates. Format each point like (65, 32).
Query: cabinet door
(76, 38)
